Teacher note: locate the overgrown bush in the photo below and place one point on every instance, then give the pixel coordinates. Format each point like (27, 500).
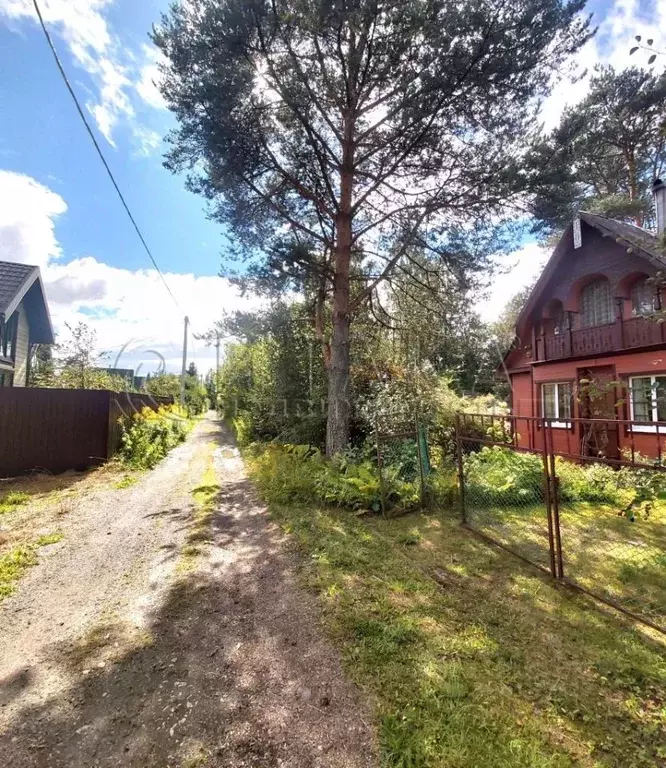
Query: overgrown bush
(502, 476)
(300, 474)
(150, 435)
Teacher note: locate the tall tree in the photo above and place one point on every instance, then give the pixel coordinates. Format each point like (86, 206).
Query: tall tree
(360, 129)
(606, 151)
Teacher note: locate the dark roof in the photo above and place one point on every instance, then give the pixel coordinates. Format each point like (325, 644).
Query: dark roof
(23, 283)
(646, 243)
(13, 277)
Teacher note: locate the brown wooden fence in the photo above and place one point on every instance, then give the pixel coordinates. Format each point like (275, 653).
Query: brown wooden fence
(55, 430)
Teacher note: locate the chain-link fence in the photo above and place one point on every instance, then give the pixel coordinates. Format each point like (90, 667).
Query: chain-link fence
(505, 492)
(403, 464)
(597, 522)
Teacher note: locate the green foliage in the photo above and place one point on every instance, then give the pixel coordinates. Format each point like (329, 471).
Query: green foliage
(273, 385)
(359, 194)
(150, 435)
(164, 385)
(76, 364)
(243, 428)
(506, 477)
(604, 154)
(17, 560)
(502, 476)
(300, 474)
(168, 385)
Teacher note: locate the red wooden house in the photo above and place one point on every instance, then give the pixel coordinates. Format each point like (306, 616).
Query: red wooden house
(589, 344)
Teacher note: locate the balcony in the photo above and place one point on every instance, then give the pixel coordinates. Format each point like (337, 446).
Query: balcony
(602, 339)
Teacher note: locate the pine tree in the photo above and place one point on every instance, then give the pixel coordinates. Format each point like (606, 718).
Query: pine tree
(354, 131)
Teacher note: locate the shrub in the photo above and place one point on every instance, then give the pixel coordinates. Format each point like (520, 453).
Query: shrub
(299, 474)
(242, 427)
(150, 435)
(499, 475)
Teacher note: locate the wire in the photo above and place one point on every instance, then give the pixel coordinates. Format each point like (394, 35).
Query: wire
(99, 151)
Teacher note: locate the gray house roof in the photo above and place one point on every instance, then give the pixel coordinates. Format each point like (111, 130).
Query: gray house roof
(645, 243)
(22, 282)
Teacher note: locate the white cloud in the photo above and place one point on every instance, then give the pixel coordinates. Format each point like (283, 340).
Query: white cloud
(147, 140)
(150, 77)
(117, 73)
(611, 45)
(28, 211)
(516, 270)
(125, 307)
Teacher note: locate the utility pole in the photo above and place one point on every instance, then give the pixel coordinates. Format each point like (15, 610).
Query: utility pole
(217, 363)
(184, 368)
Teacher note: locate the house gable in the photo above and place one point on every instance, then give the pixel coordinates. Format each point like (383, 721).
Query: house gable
(598, 257)
(24, 320)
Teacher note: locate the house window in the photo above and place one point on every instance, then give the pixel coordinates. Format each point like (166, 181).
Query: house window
(595, 304)
(648, 398)
(8, 336)
(556, 402)
(644, 299)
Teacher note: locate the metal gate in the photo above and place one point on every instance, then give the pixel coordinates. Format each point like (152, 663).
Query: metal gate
(597, 523)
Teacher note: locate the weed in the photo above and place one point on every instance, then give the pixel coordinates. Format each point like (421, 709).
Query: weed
(204, 500)
(17, 560)
(12, 566)
(11, 500)
(152, 434)
(126, 482)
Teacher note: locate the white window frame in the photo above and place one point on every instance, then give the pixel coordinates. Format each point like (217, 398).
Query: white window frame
(555, 421)
(645, 426)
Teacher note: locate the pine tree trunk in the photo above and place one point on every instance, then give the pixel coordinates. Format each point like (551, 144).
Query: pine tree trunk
(339, 406)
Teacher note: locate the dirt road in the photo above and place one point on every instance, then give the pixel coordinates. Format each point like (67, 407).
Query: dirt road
(116, 651)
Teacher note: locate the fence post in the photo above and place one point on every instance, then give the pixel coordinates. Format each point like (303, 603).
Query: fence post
(552, 502)
(417, 429)
(461, 472)
(382, 498)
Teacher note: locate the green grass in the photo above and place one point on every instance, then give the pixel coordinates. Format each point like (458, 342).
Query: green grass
(125, 482)
(11, 500)
(475, 660)
(15, 562)
(623, 559)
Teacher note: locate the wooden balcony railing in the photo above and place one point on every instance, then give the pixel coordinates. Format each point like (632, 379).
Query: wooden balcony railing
(614, 337)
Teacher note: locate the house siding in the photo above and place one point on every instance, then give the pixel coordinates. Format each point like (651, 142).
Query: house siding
(526, 390)
(22, 348)
(597, 256)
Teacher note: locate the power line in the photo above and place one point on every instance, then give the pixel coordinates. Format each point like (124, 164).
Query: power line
(99, 150)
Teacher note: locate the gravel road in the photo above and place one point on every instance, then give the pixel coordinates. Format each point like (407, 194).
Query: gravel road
(113, 654)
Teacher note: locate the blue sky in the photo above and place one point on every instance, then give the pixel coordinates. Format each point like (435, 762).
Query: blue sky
(57, 208)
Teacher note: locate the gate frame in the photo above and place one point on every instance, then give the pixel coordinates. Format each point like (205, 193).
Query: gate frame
(551, 494)
(550, 489)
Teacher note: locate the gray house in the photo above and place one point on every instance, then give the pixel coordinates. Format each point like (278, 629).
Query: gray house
(24, 321)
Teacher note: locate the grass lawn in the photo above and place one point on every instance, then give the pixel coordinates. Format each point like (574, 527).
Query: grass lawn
(473, 658)
(620, 558)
